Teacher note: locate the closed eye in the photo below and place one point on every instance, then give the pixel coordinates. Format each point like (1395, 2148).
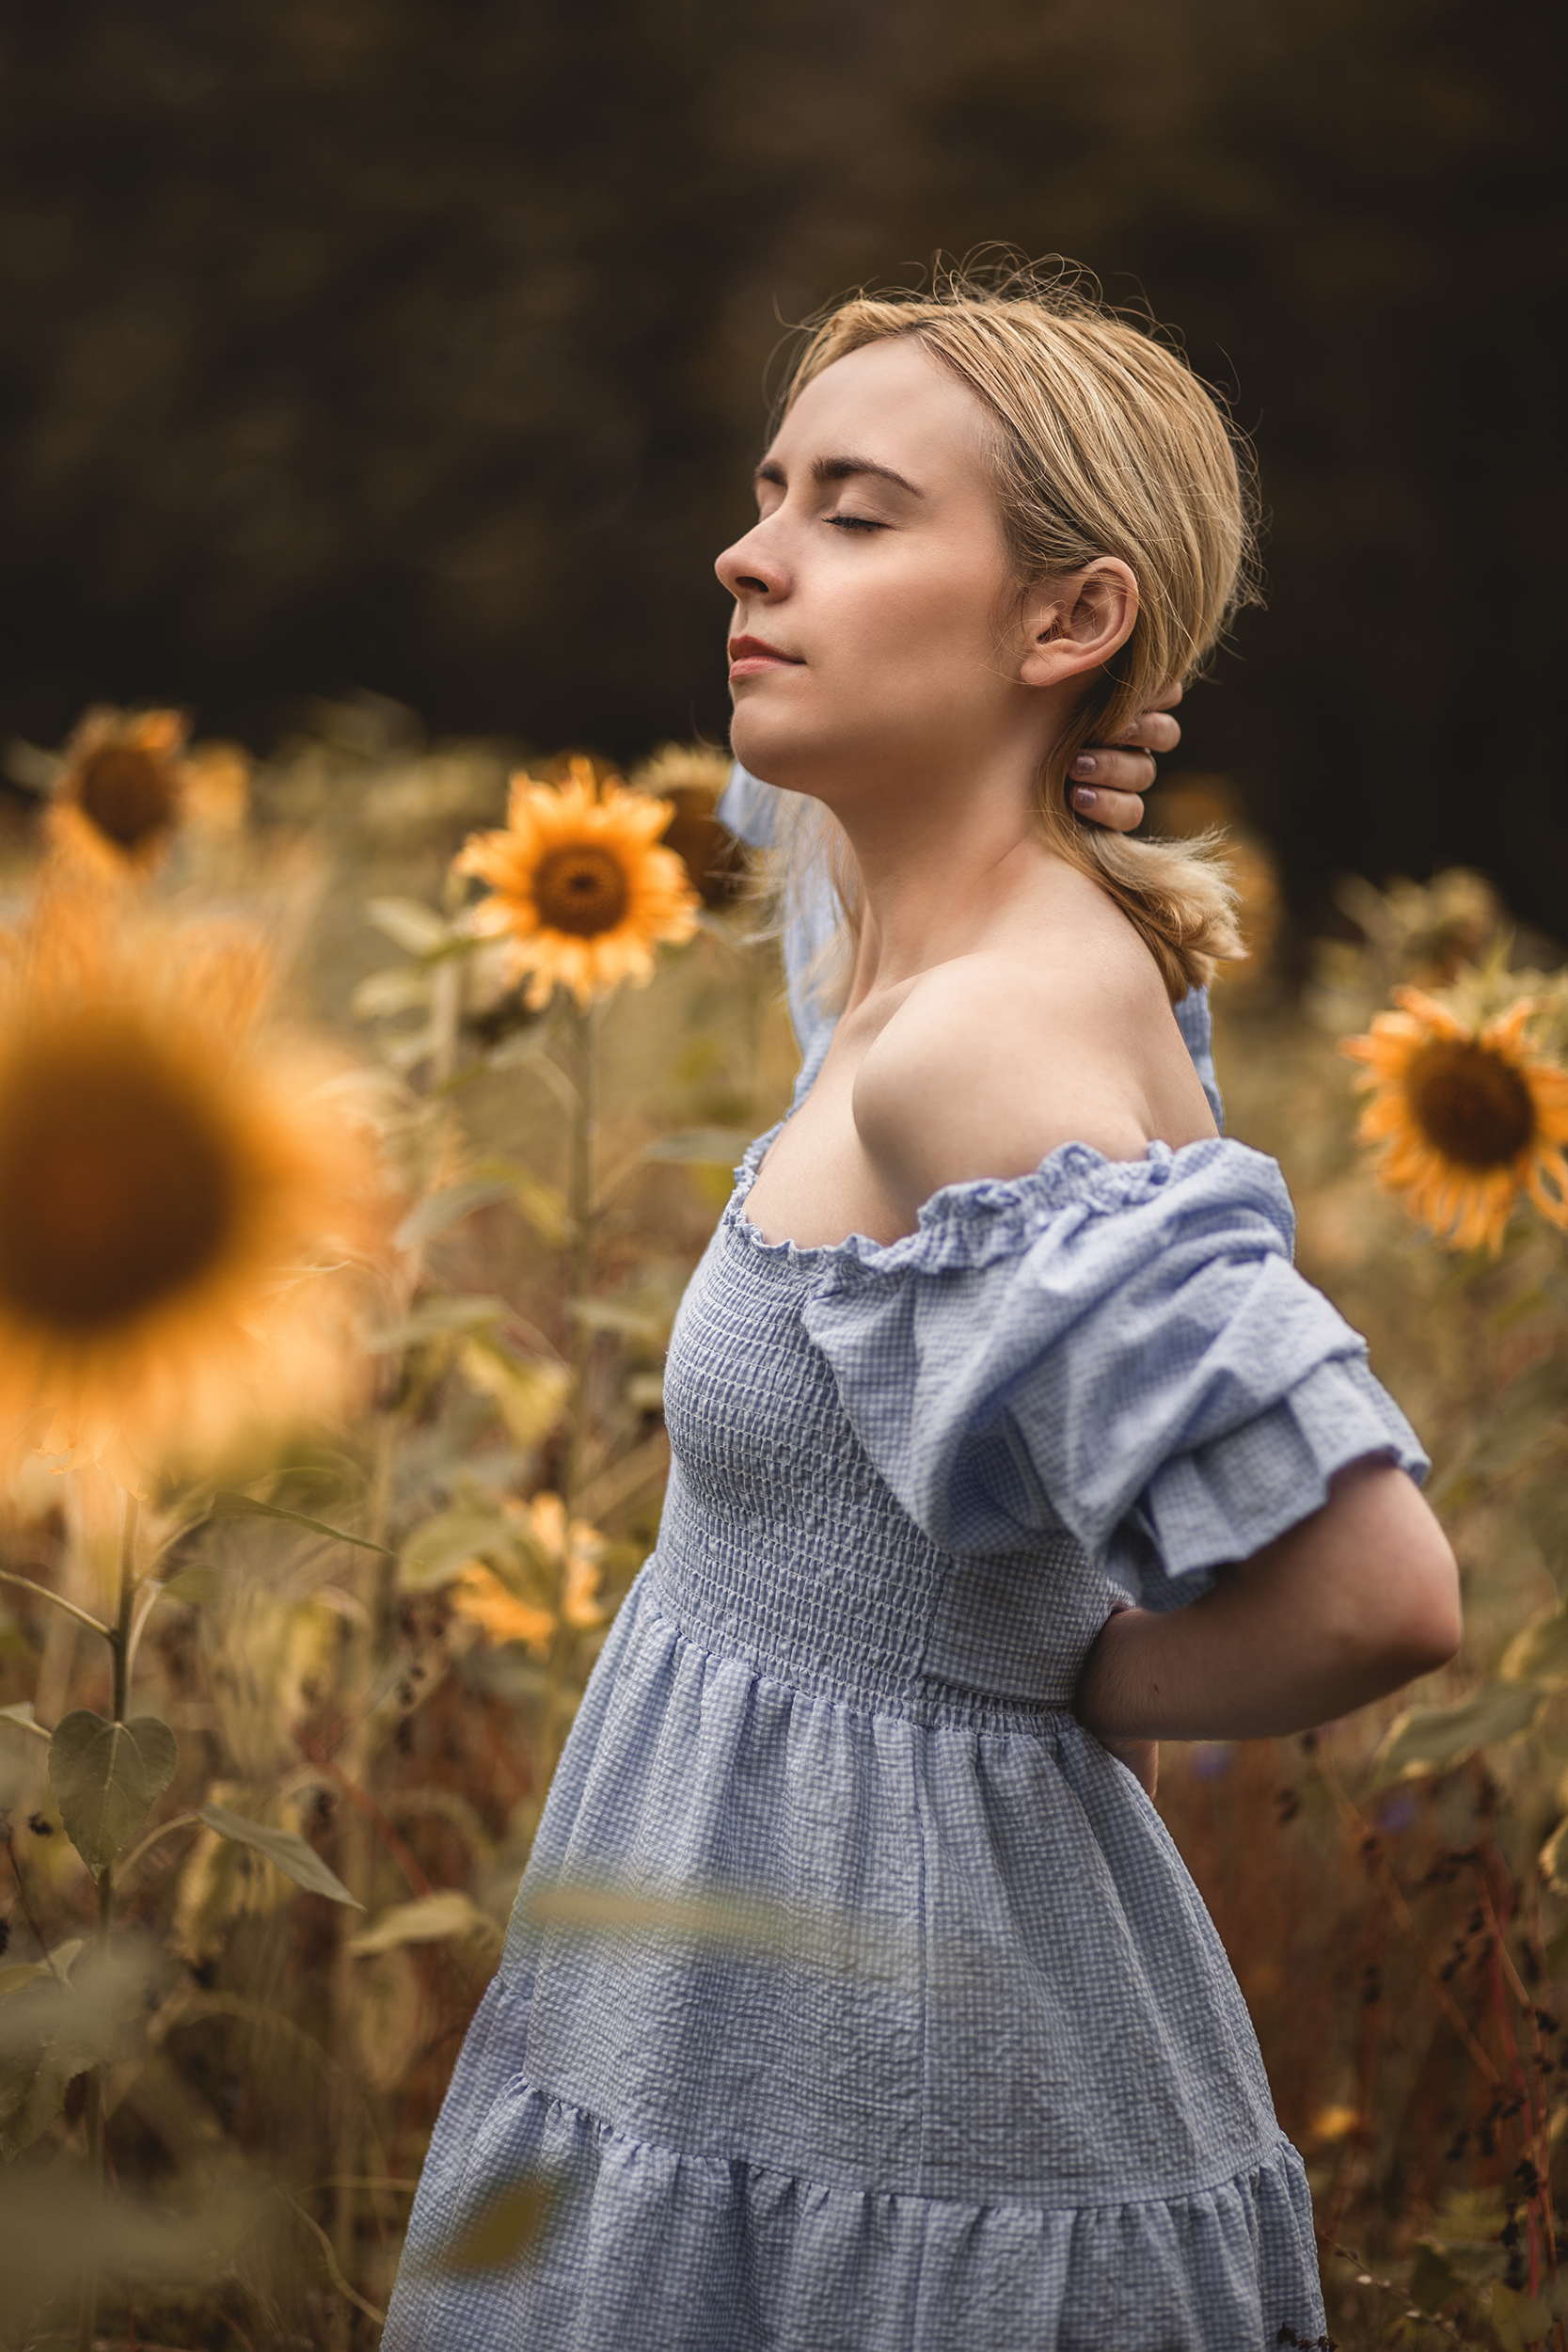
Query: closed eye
(855, 522)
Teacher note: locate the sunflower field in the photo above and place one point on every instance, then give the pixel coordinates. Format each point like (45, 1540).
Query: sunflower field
(362, 1114)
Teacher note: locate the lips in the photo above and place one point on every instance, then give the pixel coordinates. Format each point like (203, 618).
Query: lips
(750, 657)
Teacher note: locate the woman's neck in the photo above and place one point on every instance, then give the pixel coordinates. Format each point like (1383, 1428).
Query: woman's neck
(938, 869)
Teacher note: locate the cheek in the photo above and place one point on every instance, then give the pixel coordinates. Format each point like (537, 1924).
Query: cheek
(931, 623)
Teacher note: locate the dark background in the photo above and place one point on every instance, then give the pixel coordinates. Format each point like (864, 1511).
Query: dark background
(418, 345)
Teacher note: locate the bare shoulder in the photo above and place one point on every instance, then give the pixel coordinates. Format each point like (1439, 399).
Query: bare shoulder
(995, 1059)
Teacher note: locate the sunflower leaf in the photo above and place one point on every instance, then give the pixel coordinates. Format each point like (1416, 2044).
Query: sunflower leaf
(283, 1847)
(233, 1506)
(702, 1147)
(1431, 1739)
(1540, 1652)
(105, 1776)
(408, 924)
(450, 1207)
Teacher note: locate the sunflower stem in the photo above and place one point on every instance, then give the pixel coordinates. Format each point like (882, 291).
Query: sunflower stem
(579, 1198)
(42, 1592)
(119, 1638)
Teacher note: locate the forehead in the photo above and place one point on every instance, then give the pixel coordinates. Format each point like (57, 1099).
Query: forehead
(892, 402)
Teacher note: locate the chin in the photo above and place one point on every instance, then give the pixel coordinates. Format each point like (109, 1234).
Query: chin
(771, 752)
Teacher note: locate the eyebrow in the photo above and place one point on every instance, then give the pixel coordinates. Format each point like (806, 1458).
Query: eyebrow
(836, 469)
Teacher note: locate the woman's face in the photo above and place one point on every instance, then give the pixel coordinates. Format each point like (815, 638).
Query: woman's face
(868, 595)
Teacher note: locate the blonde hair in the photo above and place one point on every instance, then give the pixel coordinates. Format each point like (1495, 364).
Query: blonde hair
(1104, 443)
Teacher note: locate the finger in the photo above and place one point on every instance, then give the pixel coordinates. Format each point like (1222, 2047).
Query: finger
(1168, 696)
(1113, 770)
(1153, 729)
(1119, 812)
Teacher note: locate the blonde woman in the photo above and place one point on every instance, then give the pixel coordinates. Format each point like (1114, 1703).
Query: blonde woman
(856, 1999)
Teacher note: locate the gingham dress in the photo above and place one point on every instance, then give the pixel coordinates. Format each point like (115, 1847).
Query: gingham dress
(856, 1999)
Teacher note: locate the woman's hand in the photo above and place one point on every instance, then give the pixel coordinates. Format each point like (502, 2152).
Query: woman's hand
(1108, 780)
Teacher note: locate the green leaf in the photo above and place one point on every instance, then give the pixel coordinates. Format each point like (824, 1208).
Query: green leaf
(1540, 1652)
(449, 1207)
(440, 1318)
(196, 1585)
(429, 1919)
(232, 1506)
(529, 1391)
(1430, 1739)
(1517, 2318)
(703, 1146)
(508, 2229)
(1544, 1509)
(292, 1856)
(33, 2085)
(409, 924)
(384, 995)
(104, 1776)
(545, 1207)
(60, 1962)
(437, 1548)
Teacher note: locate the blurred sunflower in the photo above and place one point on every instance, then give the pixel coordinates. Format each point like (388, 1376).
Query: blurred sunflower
(571, 1568)
(181, 1184)
(576, 1561)
(120, 795)
(1467, 1117)
(500, 1615)
(691, 777)
(582, 892)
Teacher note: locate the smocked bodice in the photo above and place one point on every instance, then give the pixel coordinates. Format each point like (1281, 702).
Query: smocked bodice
(782, 1544)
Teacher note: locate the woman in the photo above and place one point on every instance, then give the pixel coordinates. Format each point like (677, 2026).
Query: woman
(855, 1996)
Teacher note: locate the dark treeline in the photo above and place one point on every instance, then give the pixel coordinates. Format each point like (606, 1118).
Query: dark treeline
(420, 345)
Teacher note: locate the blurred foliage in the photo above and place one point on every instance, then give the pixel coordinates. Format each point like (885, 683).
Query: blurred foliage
(420, 346)
(370, 1652)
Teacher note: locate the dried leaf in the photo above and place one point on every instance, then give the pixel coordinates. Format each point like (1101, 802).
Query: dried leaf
(429, 1919)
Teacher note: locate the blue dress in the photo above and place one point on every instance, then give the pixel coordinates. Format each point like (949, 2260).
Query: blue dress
(855, 1998)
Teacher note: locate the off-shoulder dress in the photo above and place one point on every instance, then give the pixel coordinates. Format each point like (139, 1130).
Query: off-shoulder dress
(855, 1998)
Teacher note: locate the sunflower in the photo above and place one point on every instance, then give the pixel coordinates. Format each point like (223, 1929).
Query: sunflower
(120, 796)
(1466, 1117)
(571, 1567)
(691, 777)
(188, 1198)
(580, 891)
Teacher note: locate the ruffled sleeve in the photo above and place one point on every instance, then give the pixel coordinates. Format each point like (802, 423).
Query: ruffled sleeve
(1123, 1349)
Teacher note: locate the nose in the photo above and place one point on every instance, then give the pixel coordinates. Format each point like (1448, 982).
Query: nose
(748, 569)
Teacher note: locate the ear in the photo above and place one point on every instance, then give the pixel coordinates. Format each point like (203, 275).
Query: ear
(1077, 621)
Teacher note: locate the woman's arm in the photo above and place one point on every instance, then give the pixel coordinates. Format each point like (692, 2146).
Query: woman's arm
(1343, 1608)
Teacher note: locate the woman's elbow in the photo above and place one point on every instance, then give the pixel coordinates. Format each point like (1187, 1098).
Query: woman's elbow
(1418, 1624)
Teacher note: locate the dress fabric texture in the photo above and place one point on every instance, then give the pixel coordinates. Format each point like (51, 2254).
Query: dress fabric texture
(855, 1998)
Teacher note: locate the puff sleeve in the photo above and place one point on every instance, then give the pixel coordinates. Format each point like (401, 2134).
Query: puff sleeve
(1123, 1349)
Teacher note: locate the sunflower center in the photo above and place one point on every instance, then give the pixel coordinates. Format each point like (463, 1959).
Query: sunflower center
(117, 1188)
(129, 795)
(1471, 1104)
(581, 889)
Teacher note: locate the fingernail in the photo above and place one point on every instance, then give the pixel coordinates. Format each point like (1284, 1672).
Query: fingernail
(1085, 799)
(1085, 764)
